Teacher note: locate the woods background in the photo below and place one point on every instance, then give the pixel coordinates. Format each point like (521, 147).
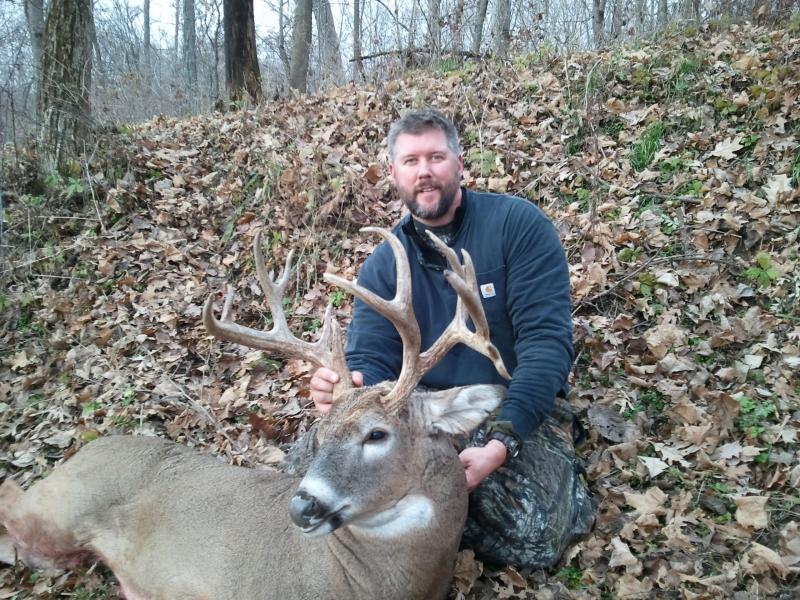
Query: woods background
(122, 61)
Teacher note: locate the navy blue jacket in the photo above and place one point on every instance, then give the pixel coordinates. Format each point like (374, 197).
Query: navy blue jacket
(515, 248)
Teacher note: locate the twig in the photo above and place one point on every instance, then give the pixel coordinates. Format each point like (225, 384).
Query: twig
(36, 260)
(94, 196)
(655, 261)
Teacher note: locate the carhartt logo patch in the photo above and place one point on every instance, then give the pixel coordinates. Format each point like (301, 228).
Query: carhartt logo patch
(487, 290)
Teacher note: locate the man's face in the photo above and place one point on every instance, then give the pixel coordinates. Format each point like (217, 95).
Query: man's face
(427, 175)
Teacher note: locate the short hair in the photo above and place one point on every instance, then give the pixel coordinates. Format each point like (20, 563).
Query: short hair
(417, 122)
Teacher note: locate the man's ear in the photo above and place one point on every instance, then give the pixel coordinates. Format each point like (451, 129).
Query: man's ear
(457, 410)
(390, 170)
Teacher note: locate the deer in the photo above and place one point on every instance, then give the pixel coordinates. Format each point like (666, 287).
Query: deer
(378, 513)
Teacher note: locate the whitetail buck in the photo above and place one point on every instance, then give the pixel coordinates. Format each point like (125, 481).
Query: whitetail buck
(378, 514)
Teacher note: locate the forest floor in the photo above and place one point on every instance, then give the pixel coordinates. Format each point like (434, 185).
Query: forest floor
(671, 170)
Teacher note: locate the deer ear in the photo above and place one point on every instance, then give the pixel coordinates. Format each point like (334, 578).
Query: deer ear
(456, 410)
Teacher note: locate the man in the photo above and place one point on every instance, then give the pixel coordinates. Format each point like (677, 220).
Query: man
(522, 275)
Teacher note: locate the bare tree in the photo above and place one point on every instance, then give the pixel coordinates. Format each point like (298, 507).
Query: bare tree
(282, 54)
(457, 28)
(242, 72)
(358, 64)
(329, 53)
(477, 32)
(177, 7)
(301, 45)
(502, 27)
(63, 108)
(211, 30)
(189, 43)
(34, 15)
(146, 37)
(434, 28)
(598, 22)
(662, 13)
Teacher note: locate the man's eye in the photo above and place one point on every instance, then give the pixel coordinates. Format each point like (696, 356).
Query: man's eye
(376, 435)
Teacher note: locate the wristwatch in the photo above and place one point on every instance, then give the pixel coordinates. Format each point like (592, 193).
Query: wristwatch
(503, 432)
(510, 442)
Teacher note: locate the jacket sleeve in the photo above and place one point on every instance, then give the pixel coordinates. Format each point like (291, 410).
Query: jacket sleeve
(538, 301)
(373, 344)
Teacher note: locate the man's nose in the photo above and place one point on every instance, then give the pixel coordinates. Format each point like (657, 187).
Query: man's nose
(423, 168)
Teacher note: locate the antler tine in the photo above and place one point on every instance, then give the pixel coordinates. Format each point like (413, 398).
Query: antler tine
(399, 311)
(273, 290)
(327, 351)
(463, 280)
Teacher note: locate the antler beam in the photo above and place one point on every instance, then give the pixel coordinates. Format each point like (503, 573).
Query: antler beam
(327, 351)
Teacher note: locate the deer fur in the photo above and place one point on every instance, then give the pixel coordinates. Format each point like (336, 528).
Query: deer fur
(174, 523)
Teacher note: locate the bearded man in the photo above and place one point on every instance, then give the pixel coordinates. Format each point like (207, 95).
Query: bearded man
(523, 279)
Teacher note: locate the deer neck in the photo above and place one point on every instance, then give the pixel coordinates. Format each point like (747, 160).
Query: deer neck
(406, 539)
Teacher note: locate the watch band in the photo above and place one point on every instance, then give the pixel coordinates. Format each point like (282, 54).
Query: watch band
(512, 444)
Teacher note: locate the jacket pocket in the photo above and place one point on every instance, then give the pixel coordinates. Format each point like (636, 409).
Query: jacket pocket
(492, 287)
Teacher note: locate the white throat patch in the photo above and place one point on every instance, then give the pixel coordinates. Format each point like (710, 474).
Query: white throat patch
(411, 513)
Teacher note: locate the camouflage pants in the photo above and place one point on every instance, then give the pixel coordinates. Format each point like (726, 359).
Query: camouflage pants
(532, 508)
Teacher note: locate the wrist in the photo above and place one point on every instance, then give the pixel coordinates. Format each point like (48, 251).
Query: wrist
(498, 451)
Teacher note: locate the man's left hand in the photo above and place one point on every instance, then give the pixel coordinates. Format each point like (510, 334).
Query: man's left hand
(479, 463)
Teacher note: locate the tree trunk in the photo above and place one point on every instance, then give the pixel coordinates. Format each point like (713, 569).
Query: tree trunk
(301, 46)
(189, 43)
(617, 20)
(457, 43)
(662, 14)
(358, 65)
(63, 109)
(330, 56)
(480, 18)
(146, 39)
(282, 54)
(598, 22)
(177, 24)
(434, 29)
(242, 72)
(34, 15)
(502, 27)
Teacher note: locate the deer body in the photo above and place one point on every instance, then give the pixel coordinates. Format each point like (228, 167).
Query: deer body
(378, 513)
(172, 522)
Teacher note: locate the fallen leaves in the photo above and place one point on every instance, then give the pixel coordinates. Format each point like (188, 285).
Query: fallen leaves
(686, 368)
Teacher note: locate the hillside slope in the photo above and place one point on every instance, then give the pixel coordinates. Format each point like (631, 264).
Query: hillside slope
(672, 172)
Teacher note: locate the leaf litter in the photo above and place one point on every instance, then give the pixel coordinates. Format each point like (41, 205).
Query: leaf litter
(672, 174)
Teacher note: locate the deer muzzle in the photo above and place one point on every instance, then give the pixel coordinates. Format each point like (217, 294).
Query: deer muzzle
(314, 516)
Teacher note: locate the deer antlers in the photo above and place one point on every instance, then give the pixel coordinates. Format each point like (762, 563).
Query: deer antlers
(328, 351)
(400, 312)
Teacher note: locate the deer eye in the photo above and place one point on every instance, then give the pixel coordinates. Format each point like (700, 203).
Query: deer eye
(376, 435)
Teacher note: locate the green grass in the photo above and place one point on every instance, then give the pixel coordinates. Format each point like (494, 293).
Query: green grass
(643, 151)
(796, 170)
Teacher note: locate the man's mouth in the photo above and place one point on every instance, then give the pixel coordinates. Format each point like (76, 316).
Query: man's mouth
(426, 189)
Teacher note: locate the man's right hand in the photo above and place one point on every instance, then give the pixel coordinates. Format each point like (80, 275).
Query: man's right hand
(322, 382)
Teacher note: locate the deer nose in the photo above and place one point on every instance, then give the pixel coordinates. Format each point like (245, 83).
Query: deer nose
(306, 509)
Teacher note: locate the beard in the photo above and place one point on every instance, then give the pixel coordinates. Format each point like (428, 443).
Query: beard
(447, 195)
